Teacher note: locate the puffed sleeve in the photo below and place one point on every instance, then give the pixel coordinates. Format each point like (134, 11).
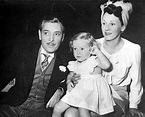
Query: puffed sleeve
(71, 66)
(136, 89)
(92, 63)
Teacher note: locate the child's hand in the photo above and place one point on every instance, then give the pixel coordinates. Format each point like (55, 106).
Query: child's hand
(70, 86)
(96, 48)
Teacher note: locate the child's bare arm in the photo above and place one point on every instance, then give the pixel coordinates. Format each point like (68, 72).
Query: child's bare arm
(103, 61)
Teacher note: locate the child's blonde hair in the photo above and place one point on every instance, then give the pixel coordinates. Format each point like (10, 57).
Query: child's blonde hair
(84, 36)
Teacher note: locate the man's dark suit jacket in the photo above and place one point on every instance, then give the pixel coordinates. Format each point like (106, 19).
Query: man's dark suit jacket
(21, 65)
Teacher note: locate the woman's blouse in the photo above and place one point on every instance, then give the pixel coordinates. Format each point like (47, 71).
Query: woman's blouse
(126, 69)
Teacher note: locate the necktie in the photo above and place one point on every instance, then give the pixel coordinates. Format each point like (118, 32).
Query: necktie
(45, 62)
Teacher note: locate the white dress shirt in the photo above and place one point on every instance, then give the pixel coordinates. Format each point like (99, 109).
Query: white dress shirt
(42, 57)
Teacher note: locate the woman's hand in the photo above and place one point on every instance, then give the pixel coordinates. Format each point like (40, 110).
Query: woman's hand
(134, 111)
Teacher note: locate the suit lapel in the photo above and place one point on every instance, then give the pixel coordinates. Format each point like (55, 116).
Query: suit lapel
(56, 72)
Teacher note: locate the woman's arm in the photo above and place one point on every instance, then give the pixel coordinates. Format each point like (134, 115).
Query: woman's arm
(136, 89)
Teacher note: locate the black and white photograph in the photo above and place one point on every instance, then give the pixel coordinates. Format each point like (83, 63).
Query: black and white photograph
(72, 58)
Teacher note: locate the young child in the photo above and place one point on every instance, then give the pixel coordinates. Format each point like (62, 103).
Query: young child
(91, 93)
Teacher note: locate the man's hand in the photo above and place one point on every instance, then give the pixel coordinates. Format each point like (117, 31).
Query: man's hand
(134, 111)
(70, 86)
(73, 77)
(54, 99)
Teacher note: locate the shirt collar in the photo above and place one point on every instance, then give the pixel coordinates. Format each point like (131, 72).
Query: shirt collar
(42, 51)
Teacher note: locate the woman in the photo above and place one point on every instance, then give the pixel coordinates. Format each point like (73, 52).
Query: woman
(125, 57)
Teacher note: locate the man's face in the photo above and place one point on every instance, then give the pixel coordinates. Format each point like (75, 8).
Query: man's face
(51, 36)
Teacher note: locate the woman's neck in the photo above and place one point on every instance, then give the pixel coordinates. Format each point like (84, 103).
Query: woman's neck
(113, 46)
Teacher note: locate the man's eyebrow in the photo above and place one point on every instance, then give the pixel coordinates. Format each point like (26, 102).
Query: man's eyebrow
(58, 31)
(45, 30)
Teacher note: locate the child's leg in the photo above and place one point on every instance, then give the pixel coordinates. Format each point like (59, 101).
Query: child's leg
(59, 108)
(84, 112)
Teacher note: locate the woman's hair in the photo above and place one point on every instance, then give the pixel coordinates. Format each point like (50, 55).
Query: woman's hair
(83, 36)
(120, 9)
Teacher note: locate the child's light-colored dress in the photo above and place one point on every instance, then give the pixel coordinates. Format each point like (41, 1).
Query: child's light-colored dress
(92, 91)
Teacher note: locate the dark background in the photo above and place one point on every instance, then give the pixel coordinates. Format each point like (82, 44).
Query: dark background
(19, 21)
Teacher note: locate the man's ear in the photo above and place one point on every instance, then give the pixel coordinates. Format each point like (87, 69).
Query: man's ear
(62, 37)
(39, 33)
(123, 28)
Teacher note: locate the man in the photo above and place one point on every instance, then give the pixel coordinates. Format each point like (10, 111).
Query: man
(39, 72)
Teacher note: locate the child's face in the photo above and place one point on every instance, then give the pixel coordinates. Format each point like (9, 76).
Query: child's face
(81, 49)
